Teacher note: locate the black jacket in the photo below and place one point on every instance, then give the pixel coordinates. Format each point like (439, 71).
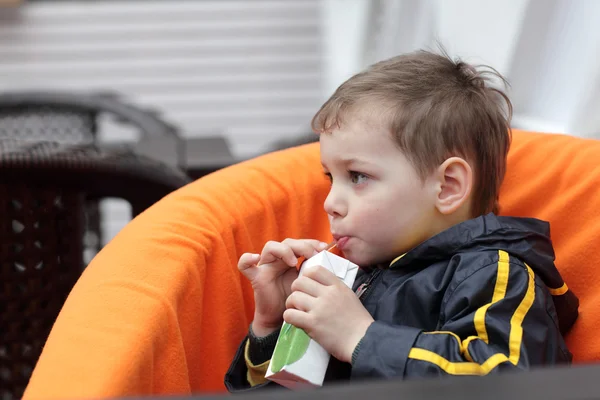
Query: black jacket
(481, 297)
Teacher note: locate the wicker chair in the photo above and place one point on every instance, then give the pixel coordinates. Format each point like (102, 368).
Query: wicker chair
(52, 175)
(77, 118)
(71, 117)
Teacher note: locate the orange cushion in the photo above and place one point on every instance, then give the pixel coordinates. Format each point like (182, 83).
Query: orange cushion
(162, 308)
(556, 178)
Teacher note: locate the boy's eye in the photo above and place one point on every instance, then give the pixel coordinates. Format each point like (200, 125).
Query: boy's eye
(357, 178)
(328, 175)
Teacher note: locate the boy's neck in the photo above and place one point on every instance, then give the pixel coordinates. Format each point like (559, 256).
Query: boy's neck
(446, 221)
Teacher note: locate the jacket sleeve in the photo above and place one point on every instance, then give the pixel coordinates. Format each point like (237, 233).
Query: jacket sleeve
(250, 363)
(497, 317)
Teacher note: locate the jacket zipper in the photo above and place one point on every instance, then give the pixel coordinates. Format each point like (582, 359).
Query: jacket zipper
(366, 287)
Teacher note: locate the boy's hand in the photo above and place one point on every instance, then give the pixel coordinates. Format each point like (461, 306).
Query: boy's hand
(329, 312)
(271, 274)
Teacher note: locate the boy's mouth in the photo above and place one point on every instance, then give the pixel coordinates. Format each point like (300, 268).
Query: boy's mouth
(341, 241)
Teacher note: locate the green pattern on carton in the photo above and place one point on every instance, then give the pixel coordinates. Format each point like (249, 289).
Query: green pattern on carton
(291, 346)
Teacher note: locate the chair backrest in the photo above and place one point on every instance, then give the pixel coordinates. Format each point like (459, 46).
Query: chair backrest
(60, 123)
(556, 178)
(40, 261)
(71, 117)
(176, 264)
(74, 118)
(43, 191)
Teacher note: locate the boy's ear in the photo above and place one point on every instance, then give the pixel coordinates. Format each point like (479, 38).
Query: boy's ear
(455, 178)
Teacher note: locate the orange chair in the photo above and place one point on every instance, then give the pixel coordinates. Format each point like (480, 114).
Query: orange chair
(162, 308)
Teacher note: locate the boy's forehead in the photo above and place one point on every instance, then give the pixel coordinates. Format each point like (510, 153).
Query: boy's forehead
(364, 119)
(357, 140)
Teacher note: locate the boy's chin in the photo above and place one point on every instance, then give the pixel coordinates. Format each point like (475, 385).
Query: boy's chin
(357, 258)
(363, 259)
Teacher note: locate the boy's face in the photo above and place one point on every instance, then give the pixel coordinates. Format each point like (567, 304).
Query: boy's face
(378, 206)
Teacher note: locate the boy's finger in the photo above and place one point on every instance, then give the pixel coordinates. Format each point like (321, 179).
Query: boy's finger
(306, 285)
(274, 251)
(317, 244)
(299, 319)
(290, 249)
(300, 301)
(247, 260)
(321, 275)
(247, 265)
(305, 247)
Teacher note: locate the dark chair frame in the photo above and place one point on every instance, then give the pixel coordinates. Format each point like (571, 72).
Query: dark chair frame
(49, 193)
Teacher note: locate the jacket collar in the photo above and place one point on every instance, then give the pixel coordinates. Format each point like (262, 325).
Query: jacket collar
(528, 238)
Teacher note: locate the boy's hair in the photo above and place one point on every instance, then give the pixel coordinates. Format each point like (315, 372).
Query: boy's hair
(436, 108)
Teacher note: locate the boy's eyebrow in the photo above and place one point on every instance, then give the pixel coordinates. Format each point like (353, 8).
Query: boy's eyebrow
(352, 161)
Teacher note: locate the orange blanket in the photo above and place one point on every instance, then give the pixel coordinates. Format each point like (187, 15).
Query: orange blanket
(162, 309)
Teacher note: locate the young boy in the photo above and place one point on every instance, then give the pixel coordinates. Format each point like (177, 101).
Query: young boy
(415, 148)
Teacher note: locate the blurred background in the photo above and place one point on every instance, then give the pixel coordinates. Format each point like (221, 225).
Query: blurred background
(107, 106)
(253, 72)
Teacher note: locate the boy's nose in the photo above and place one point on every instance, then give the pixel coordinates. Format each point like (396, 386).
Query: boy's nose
(334, 205)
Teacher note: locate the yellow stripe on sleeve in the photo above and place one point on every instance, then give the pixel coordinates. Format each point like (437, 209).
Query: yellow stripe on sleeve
(499, 293)
(559, 291)
(516, 322)
(256, 373)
